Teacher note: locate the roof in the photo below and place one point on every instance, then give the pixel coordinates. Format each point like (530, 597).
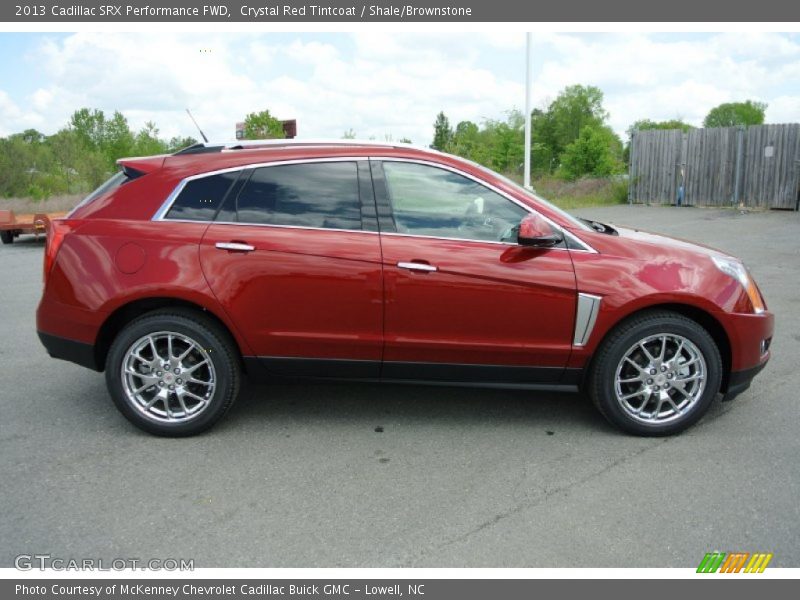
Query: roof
(213, 156)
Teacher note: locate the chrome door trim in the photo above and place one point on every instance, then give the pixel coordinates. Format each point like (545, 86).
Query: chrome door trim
(585, 317)
(234, 246)
(412, 266)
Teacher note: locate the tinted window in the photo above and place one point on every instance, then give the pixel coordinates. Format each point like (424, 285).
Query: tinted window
(439, 203)
(306, 195)
(200, 198)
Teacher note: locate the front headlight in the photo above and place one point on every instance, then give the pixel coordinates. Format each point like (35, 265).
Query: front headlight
(734, 268)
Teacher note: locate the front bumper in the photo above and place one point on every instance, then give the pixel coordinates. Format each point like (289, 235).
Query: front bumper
(750, 337)
(746, 334)
(739, 381)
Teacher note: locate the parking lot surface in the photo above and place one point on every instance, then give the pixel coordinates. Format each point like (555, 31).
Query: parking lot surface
(361, 475)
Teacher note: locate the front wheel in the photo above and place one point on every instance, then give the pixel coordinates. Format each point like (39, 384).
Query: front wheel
(7, 236)
(656, 374)
(173, 373)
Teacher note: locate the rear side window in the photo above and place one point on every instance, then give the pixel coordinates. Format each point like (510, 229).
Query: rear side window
(200, 198)
(323, 195)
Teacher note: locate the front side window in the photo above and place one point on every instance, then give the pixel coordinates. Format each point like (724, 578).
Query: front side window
(200, 198)
(435, 202)
(320, 195)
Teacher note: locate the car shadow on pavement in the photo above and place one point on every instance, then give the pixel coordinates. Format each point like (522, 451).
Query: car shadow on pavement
(375, 405)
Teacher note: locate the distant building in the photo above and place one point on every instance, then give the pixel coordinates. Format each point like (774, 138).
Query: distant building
(289, 129)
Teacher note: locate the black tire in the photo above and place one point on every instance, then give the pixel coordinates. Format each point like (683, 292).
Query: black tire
(212, 339)
(602, 386)
(7, 236)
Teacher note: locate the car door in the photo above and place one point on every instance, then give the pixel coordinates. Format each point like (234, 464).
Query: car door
(465, 302)
(294, 258)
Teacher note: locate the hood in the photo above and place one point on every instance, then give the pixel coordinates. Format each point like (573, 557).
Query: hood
(666, 242)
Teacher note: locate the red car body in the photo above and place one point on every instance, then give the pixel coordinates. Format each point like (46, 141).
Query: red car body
(335, 303)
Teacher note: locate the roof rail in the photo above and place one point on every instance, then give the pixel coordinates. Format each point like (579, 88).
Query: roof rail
(203, 147)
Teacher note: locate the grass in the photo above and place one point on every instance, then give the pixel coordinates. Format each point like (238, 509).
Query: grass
(582, 192)
(26, 206)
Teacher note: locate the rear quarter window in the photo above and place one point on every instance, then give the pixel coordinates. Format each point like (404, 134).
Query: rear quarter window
(200, 198)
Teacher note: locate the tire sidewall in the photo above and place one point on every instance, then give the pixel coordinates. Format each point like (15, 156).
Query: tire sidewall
(219, 355)
(614, 353)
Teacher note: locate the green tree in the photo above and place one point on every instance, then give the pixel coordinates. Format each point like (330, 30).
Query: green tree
(442, 133)
(118, 139)
(89, 126)
(110, 138)
(504, 142)
(147, 141)
(466, 141)
(263, 126)
(70, 157)
(595, 152)
(573, 109)
(645, 124)
(77, 158)
(732, 114)
(179, 143)
(350, 134)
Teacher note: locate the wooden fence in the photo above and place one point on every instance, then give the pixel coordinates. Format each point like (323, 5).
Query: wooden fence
(757, 166)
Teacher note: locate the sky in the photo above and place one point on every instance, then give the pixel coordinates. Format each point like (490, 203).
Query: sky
(383, 84)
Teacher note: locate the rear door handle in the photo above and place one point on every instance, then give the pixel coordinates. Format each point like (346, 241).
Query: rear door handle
(415, 266)
(235, 246)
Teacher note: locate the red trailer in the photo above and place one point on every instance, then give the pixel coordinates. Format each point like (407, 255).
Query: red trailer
(11, 226)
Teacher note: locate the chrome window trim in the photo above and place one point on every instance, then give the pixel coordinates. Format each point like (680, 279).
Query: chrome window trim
(161, 213)
(585, 317)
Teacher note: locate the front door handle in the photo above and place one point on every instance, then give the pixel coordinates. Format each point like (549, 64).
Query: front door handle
(235, 246)
(416, 266)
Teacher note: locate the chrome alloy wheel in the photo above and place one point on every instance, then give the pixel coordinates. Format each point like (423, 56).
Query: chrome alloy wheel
(168, 377)
(660, 378)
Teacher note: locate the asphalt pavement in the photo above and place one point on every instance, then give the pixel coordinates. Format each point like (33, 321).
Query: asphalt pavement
(363, 475)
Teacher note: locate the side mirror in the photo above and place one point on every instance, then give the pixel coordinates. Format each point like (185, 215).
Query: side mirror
(535, 231)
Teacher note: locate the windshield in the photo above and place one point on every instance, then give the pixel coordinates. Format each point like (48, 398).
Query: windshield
(574, 221)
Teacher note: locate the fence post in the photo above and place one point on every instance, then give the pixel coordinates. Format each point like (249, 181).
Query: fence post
(737, 185)
(683, 165)
(630, 167)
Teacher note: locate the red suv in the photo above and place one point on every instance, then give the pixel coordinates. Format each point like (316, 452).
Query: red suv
(387, 263)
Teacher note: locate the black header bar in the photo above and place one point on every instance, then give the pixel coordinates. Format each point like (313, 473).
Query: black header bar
(454, 11)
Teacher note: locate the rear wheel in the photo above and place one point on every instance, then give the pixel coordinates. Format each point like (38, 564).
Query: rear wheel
(7, 236)
(173, 373)
(656, 374)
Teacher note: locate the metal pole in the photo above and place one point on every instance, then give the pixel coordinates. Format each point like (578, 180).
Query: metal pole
(527, 176)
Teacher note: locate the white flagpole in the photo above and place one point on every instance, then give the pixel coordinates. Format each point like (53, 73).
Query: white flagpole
(527, 176)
